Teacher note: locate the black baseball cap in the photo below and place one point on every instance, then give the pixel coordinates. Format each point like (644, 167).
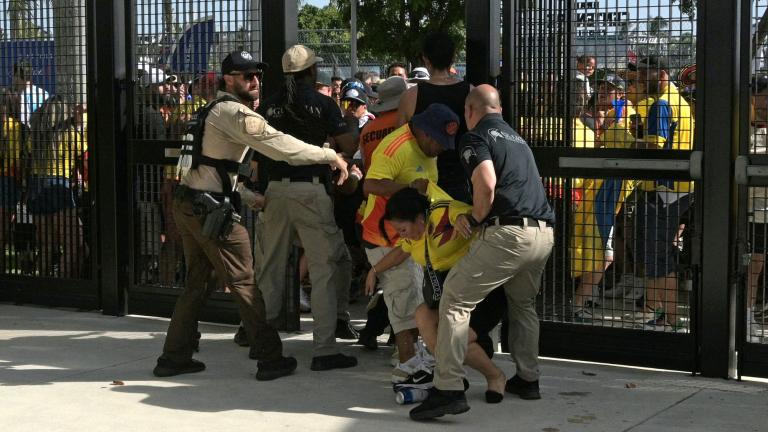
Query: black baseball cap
(241, 61)
(652, 62)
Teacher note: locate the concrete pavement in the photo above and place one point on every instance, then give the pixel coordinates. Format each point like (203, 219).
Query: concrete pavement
(57, 369)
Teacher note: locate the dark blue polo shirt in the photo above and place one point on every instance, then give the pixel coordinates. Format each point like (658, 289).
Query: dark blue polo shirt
(519, 190)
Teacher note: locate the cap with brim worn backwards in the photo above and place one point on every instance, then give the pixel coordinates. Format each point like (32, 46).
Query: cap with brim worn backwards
(614, 81)
(354, 94)
(241, 61)
(440, 123)
(390, 92)
(299, 57)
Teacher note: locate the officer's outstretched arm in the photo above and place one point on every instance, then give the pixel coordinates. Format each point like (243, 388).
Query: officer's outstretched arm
(253, 131)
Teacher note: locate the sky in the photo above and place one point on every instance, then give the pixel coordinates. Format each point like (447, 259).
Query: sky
(318, 3)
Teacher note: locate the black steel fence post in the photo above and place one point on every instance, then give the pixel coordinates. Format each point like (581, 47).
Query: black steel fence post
(280, 27)
(483, 21)
(718, 64)
(509, 82)
(106, 96)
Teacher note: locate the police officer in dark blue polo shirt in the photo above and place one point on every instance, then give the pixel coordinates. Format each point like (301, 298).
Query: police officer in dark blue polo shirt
(512, 222)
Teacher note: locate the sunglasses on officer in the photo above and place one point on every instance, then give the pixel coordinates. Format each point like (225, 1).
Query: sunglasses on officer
(248, 76)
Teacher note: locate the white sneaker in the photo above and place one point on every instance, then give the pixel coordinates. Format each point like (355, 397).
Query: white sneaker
(304, 304)
(403, 371)
(426, 358)
(394, 360)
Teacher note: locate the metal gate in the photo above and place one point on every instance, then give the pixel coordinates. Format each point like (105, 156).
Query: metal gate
(751, 172)
(46, 224)
(174, 58)
(584, 78)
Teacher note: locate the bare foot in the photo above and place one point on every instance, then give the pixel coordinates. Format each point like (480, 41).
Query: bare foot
(497, 382)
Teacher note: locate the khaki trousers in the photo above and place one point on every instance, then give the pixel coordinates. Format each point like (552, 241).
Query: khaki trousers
(342, 292)
(232, 261)
(306, 210)
(509, 255)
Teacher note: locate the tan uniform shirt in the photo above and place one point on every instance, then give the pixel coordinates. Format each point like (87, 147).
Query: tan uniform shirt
(231, 128)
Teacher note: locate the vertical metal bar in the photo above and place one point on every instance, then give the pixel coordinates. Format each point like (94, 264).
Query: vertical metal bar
(745, 68)
(279, 21)
(106, 30)
(482, 21)
(717, 39)
(353, 38)
(509, 80)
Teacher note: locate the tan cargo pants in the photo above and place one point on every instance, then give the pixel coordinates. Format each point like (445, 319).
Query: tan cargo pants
(342, 292)
(306, 210)
(509, 255)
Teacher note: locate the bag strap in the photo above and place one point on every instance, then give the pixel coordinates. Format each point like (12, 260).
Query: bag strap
(437, 289)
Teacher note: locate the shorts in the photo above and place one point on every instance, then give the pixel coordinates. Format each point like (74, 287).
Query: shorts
(49, 194)
(757, 237)
(428, 289)
(656, 226)
(10, 192)
(487, 314)
(400, 286)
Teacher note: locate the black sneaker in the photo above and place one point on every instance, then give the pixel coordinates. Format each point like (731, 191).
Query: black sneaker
(196, 342)
(440, 403)
(421, 379)
(368, 340)
(241, 338)
(344, 330)
(528, 390)
(166, 368)
(333, 361)
(275, 369)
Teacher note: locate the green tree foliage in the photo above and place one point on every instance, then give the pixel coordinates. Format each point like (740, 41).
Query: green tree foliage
(658, 27)
(22, 24)
(315, 18)
(394, 29)
(687, 7)
(324, 29)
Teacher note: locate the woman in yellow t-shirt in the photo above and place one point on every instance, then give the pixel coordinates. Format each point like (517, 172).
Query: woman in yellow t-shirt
(54, 149)
(425, 227)
(10, 165)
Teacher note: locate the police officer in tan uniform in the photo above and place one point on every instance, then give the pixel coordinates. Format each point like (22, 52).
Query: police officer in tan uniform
(297, 203)
(231, 128)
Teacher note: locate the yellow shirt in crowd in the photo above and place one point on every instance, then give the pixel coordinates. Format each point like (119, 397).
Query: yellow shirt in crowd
(400, 159)
(10, 148)
(68, 148)
(446, 244)
(669, 123)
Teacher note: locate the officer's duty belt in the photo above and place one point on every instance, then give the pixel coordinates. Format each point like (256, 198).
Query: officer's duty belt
(186, 193)
(300, 179)
(515, 220)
